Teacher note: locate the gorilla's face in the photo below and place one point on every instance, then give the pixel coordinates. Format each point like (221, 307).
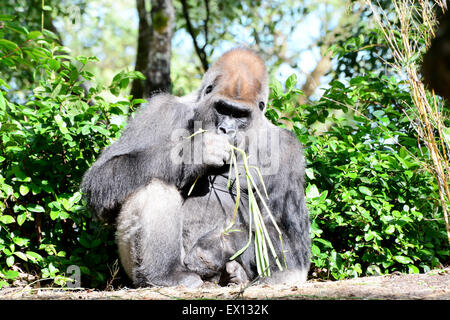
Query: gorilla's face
(231, 118)
(234, 93)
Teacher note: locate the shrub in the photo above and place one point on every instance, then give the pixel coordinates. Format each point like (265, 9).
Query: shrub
(46, 145)
(374, 208)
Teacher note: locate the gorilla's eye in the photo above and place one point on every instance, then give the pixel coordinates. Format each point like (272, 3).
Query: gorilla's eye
(208, 89)
(261, 105)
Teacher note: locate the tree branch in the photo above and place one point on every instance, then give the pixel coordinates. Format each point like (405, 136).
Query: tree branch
(200, 51)
(205, 25)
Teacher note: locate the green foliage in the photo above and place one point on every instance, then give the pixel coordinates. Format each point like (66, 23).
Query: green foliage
(374, 208)
(46, 145)
(20, 16)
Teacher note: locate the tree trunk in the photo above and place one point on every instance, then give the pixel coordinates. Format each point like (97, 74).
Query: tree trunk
(143, 48)
(158, 68)
(313, 79)
(154, 47)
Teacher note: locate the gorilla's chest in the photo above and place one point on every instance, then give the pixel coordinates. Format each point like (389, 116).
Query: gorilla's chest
(213, 202)
(215, 193)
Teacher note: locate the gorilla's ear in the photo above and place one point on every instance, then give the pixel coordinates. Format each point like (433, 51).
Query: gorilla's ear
(261, 105)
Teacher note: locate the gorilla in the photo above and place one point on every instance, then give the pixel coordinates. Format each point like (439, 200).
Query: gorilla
(167, 184)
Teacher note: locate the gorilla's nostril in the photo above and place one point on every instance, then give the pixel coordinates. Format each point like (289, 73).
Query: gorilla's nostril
(228, 131)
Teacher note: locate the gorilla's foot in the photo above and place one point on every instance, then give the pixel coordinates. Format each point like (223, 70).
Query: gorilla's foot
(236, 273)
(188, 280)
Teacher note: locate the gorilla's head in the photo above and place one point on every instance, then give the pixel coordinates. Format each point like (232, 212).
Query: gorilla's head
(234, 92)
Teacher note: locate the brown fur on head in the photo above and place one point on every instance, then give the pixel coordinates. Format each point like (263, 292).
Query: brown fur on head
(239, 76)
(244, 72)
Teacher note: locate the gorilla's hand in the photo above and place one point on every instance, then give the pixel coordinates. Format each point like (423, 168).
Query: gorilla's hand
(216, 149)
(236, 273)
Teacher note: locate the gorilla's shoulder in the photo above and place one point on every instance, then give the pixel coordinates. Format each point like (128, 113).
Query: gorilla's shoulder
(288, 138)
(162, 108)
(163, 102)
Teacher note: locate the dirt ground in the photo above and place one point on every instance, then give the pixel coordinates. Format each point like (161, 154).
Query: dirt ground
(434, 285)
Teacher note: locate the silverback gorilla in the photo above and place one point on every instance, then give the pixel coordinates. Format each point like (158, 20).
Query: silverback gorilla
(168, 234)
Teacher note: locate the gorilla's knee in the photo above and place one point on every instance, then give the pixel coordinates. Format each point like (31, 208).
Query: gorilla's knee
(149, 233)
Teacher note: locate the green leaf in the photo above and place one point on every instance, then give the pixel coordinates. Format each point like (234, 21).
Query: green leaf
(54, 64)
(373, 270)
(310, 173)
(7, 189)
(413, 269)
(315, 250)
(369, 236)
(11, 274)
(35, 208)
(33, 256)
(6, 45)
(21, 255)
(60, 122)
(402, 259)
(137, 101)
(10, 261)
(24, 189)
(291, 82)
(54, 214)
(84, 242)
(2, 102)
(6, 17)
(312, 191)
(390, 229)
(20, 241)
(66, 204)
(75, 198)
(276, 88)
(85, 130)
(33, 35)
(324, 242)
(323, 195)
(3, 284)
(7, 219)
(378, 113)
(365, 190)
(21, 218)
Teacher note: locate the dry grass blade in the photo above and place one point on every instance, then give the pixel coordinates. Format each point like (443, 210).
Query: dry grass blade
(233, 164)
(262, 238)
(405, 44)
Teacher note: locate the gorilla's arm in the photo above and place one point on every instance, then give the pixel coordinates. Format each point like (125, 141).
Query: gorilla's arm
(143, 152)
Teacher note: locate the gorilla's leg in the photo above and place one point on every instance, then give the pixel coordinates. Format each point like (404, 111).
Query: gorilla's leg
(149, 237)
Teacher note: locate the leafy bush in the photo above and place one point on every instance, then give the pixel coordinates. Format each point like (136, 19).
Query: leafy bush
(46, 145)
(373, 206)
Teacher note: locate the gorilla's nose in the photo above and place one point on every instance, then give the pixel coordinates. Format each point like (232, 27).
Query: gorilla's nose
(231, 132)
